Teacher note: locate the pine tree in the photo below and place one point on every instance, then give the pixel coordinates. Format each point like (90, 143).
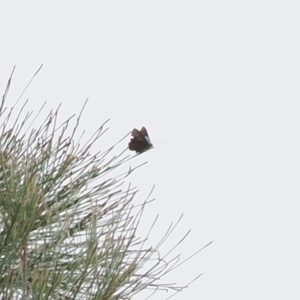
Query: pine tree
(67, 221)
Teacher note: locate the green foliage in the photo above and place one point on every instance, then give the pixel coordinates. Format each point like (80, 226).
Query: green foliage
(68, 230)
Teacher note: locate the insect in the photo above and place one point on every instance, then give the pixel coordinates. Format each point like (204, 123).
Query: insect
(140, 141)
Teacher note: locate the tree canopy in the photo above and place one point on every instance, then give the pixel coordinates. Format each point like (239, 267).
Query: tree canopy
(68, 219)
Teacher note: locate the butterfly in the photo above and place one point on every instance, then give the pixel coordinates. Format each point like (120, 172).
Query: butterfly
(140, 141)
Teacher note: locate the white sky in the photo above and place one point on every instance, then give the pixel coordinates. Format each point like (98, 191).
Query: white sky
(216, 83)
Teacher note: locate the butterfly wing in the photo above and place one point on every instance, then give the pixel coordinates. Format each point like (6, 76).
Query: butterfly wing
(146, 135)
(137, 134)
(144, 131)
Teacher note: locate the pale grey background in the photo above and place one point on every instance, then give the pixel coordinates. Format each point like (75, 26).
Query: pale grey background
(216, 83)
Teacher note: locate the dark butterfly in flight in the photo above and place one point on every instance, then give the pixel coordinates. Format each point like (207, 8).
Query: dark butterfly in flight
(140, 141)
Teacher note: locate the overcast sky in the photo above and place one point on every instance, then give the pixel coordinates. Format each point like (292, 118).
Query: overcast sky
(217, 85)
